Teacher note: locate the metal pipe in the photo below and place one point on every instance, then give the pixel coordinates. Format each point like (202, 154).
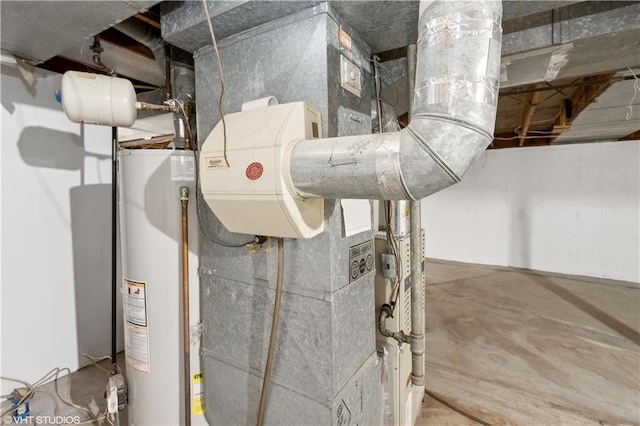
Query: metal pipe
(417, 296)
(400, 218)
(456, 95)
(274, 334)
(145, 35)
(412, 57)
(167, 72)
(378, 83)
(187, 135)
(142, 33)
(114, 247)
(417, 256)
(154, 107)
(184, 200)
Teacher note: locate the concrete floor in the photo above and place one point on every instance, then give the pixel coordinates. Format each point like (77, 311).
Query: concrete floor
(88, 387)
(505, 346)
(513, 346)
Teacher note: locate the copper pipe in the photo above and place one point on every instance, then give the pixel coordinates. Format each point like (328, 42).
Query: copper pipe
(184, 200)
(154, 107)
(274, 334)
(187, 134)
(167, 72)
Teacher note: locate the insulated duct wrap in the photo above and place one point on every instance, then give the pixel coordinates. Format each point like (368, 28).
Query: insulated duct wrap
(455, 101)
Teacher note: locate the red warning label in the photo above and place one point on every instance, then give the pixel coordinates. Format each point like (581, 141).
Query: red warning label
(254, 171)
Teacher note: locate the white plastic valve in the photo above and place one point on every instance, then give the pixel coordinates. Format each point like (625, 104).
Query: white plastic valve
(98, 99)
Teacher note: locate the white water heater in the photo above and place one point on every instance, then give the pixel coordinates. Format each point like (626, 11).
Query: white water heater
(151, 236)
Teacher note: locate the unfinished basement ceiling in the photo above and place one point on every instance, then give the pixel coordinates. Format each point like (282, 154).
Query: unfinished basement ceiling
(40, 30)
(558, 56)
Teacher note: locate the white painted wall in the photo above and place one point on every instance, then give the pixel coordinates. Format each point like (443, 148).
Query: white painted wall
(572, 209)
(55, 222)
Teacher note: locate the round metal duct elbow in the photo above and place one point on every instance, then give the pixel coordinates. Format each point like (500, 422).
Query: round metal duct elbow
(142, 33)
(455, 100)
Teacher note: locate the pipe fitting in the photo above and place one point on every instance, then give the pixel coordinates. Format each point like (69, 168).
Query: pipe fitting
(184, 193)
(455, 101)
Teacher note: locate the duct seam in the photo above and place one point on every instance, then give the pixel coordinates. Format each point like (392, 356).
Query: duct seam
(454, 120)
(388, 171)
(456, 88)
(458, 25)
(436, 157)
(456, 92)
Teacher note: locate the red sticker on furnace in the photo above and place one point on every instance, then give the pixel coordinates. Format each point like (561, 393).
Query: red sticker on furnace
(254, 171)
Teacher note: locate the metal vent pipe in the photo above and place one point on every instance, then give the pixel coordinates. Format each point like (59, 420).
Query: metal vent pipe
(146, 35)
(455, 100)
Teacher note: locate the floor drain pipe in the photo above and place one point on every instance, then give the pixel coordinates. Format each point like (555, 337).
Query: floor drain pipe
(417, 256)
(452, 123)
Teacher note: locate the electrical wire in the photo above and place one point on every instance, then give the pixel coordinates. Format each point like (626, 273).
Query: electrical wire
(394, 248)
(549, 136)
(52, 376)
(274, 333)
(94, 360)
(196, 150)
(546, 120)
(221, 97)
(636, 90)
(456, 408)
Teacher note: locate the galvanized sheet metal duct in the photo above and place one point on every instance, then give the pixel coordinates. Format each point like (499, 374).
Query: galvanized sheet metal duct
(145, 35)
(40, 30)
(455, 100)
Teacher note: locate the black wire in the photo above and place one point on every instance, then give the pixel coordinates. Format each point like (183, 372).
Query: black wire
(456, 408)
(393, 248)
(114, 233)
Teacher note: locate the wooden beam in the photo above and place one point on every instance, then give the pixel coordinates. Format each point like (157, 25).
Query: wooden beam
(528, 112)
(148, 18)
(60, 64)
(114, 36)
(635, 136)
(501, 142)
(590, 88)
(390, 55)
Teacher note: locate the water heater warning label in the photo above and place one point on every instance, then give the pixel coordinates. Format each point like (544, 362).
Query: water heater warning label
(136, 332)
(360, 260)
(183, 168)
(197, 405)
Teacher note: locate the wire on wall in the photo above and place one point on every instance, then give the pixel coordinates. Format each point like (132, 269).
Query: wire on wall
(636, 90)
(221, 97)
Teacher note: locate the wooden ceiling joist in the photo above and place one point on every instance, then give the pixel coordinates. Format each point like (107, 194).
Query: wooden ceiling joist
(589, 89)
(527, 114)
